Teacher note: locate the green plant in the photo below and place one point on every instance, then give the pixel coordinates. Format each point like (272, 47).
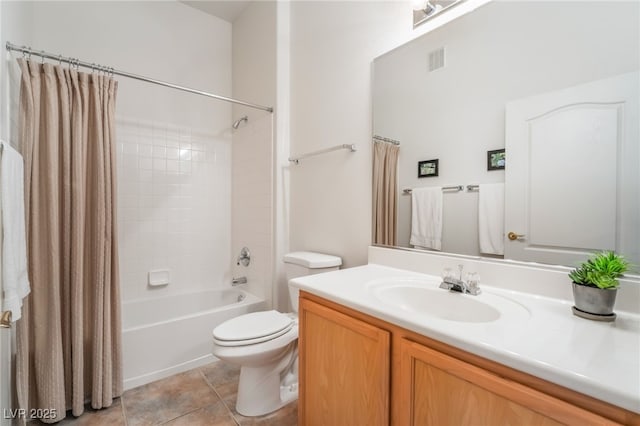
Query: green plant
(601, 271)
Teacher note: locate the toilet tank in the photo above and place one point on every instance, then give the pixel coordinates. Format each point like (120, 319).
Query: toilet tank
(301, 263)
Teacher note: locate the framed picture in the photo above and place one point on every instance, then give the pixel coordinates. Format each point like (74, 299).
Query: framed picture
(428, 168)
(496, 159)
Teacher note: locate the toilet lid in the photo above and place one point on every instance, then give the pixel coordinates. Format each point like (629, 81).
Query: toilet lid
(253, 326)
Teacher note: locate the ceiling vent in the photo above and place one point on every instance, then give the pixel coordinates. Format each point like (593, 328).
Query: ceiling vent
(436, 59)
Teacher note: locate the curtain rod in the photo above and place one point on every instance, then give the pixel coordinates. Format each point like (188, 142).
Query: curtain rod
(78, 63)
(388, 140)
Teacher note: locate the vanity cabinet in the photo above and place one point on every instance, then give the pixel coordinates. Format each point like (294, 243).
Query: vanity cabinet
(344, 368)
(438, 389)
(359, 370)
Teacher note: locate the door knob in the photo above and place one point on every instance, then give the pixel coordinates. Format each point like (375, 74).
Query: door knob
(5, 319)
(513, 236)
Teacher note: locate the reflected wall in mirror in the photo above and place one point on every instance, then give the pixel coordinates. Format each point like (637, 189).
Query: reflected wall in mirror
(423, 10)
(567, 73)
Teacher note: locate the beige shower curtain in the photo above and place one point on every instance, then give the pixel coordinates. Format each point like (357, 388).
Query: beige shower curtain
(69, 338)
(385, 192)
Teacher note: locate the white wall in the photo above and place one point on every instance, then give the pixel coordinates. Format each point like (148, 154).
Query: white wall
(456, 113)
(174, 148)
(254, 80)
(333, 45)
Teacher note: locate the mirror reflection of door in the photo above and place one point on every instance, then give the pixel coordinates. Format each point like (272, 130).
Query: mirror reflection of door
(456, 113)
(572, 181)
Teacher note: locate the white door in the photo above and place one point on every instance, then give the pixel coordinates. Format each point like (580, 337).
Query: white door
(572, 180)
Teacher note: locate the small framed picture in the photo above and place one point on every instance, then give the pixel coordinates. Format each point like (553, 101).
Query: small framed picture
(496, 159)
(428, 168)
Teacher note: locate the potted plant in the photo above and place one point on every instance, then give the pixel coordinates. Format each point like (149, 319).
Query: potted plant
(595, 284)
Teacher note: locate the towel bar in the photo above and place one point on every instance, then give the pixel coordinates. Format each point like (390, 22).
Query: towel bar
(456, 188)
(297, 159)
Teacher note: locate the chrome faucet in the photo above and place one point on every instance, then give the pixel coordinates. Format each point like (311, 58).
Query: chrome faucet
(470, 286)
(245, 257)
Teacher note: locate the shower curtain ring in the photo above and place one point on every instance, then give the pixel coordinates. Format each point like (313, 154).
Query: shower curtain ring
(24, 51)
(42, 57)
(60, 60)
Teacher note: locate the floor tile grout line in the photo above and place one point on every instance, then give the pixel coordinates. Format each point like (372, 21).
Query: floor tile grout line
(195, 409)
(219, 397)
(124, 412)
(164, 422)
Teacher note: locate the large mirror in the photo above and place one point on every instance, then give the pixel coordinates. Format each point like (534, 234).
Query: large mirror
(555, 85)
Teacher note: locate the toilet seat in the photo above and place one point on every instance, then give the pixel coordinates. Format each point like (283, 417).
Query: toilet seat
(249, 329)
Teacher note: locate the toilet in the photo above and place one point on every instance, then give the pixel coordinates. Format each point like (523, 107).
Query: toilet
(265, 344)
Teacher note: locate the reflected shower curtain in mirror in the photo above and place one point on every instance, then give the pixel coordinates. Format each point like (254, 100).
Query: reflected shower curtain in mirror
(385, 192)
(69, 339)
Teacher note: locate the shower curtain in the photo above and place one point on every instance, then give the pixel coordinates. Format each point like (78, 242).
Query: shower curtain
(69, 339)
(385, 193)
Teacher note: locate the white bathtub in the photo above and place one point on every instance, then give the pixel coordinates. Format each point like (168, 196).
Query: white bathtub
(167, 335)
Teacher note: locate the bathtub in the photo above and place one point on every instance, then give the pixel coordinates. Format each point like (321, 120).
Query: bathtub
(171, 334)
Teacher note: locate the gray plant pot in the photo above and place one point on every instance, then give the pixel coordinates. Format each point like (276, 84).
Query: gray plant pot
(594, 300)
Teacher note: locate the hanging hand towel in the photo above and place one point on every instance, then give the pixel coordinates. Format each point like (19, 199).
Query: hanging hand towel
(426, 218)
(15, 281)
(491, 218)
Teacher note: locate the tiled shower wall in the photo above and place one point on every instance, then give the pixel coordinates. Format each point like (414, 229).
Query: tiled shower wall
(174, 207)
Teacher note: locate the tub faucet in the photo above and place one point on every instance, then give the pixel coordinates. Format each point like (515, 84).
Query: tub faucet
(238, 281)
(245, 257)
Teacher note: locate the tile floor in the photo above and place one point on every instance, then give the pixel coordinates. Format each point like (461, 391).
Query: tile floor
(202, 396)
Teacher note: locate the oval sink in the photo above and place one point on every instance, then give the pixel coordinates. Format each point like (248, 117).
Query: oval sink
(423, 297)
(438, 303)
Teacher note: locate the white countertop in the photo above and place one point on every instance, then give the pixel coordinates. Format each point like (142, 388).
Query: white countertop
(595, 358)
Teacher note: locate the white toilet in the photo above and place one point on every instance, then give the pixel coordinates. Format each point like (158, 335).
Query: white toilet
(265, 344)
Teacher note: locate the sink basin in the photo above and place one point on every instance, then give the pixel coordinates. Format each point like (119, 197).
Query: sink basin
(423, 297)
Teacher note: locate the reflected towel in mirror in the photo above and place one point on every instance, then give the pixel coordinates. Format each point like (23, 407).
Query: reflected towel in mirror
(491, 218)
(426, 218)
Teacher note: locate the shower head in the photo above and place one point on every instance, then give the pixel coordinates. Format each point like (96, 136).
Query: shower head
(236, 124)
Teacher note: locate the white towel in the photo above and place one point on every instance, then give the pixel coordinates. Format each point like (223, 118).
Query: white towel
(15, 280)
(426, 218)
(491, 218)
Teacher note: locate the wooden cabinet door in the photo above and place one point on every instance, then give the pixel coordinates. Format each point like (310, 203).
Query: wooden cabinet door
(344, 369)
(441, 390)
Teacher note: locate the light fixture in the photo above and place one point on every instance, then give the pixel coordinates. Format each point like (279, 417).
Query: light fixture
(426, 9)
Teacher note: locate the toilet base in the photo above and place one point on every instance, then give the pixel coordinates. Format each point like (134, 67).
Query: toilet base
(264, 389)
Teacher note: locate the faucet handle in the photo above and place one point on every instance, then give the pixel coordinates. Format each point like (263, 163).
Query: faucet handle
(245, 257)
(447, 273)
(473, 282)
